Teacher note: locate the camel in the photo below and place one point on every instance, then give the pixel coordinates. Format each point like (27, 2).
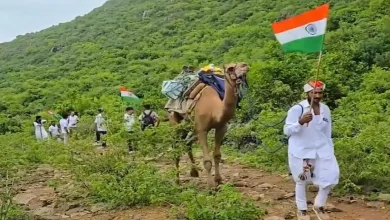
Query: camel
(210, 112)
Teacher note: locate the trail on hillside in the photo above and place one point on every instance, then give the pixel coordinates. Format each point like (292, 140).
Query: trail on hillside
(274, 193)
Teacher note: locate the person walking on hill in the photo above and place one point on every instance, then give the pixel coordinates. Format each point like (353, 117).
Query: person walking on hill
(53, 130)
(310, 150)
(40, 132)
(73, 119)
(100, 128)
(129, 123)
(148, 118)
(64, 129)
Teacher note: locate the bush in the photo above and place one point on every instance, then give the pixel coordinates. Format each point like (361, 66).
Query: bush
(226, 204)
(114, 179)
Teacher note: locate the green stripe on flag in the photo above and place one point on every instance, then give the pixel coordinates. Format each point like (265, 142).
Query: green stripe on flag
(131, 100)
(58, 116)
(305, 45)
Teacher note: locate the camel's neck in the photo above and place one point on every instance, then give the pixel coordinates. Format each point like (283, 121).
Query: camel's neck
(230, 100)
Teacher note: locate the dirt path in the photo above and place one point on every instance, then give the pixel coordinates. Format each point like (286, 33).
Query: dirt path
(145, 213)
(274, 193)
(38, 195)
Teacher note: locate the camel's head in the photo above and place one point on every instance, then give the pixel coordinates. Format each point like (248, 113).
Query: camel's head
(237, 71)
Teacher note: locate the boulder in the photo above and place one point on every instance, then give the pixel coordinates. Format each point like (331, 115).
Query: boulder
(24, 198)
(375, 205)
(384, 197)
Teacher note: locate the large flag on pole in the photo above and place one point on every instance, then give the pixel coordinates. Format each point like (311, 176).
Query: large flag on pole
(128, 96)
(303, 33)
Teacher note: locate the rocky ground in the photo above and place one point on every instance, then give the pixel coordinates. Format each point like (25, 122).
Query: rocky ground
(275, 193)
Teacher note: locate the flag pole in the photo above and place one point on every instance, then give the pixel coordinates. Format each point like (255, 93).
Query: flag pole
(318, 70)
(315, 84)
(316, 78)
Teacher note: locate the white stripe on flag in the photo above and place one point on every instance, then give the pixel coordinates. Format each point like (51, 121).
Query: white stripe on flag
(301, 32)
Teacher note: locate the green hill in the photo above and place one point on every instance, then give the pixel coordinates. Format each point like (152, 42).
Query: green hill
(138, 44)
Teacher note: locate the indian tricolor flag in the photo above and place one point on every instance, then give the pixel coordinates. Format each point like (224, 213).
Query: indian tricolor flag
(303, 33)
(129, 96)
(58, 116)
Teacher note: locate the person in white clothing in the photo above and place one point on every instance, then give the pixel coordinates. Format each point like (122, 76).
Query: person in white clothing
(64, 129)
(73, 119)
(129, 120)
(100, 128)
(53, 130)
(40, 132)
(310, 150)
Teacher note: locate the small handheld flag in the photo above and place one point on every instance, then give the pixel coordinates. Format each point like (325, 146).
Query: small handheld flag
(57, 116)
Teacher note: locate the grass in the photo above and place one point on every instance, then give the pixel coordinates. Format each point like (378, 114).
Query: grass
(122, 181)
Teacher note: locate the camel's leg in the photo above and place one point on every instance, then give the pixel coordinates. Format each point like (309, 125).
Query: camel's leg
(174, 119)
(207, 163)
(189, 141)
(219, 135)
(177, 163)
(194, 172)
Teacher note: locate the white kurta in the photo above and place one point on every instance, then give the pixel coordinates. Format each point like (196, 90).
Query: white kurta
(72, 121)
(40, 132)
(100, 122)
(312, 142)
(129, 122)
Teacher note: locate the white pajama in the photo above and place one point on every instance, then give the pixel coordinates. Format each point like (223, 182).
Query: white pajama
(326, 175)
(64, 130)
(326, 170)
(300, 196)
(311, 142)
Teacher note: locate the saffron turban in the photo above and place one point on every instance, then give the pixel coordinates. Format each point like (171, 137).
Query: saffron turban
(309, 86)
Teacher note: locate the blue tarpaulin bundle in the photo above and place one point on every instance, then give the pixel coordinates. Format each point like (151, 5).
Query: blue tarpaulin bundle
(217, 83)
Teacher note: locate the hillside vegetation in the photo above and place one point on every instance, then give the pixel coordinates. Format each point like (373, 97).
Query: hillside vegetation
(140, 43)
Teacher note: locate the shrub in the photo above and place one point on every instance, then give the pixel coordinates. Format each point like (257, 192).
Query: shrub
(226, 204)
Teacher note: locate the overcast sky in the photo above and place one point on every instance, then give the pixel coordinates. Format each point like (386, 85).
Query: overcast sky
(18, 17)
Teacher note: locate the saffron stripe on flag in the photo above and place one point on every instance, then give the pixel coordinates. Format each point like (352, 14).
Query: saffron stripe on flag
(122, 89)
(316, 14)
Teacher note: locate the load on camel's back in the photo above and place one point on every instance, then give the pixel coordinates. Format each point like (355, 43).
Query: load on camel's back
(210, 97)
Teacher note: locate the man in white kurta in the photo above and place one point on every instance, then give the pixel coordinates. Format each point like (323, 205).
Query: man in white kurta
(311, 143)
(64, 129)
